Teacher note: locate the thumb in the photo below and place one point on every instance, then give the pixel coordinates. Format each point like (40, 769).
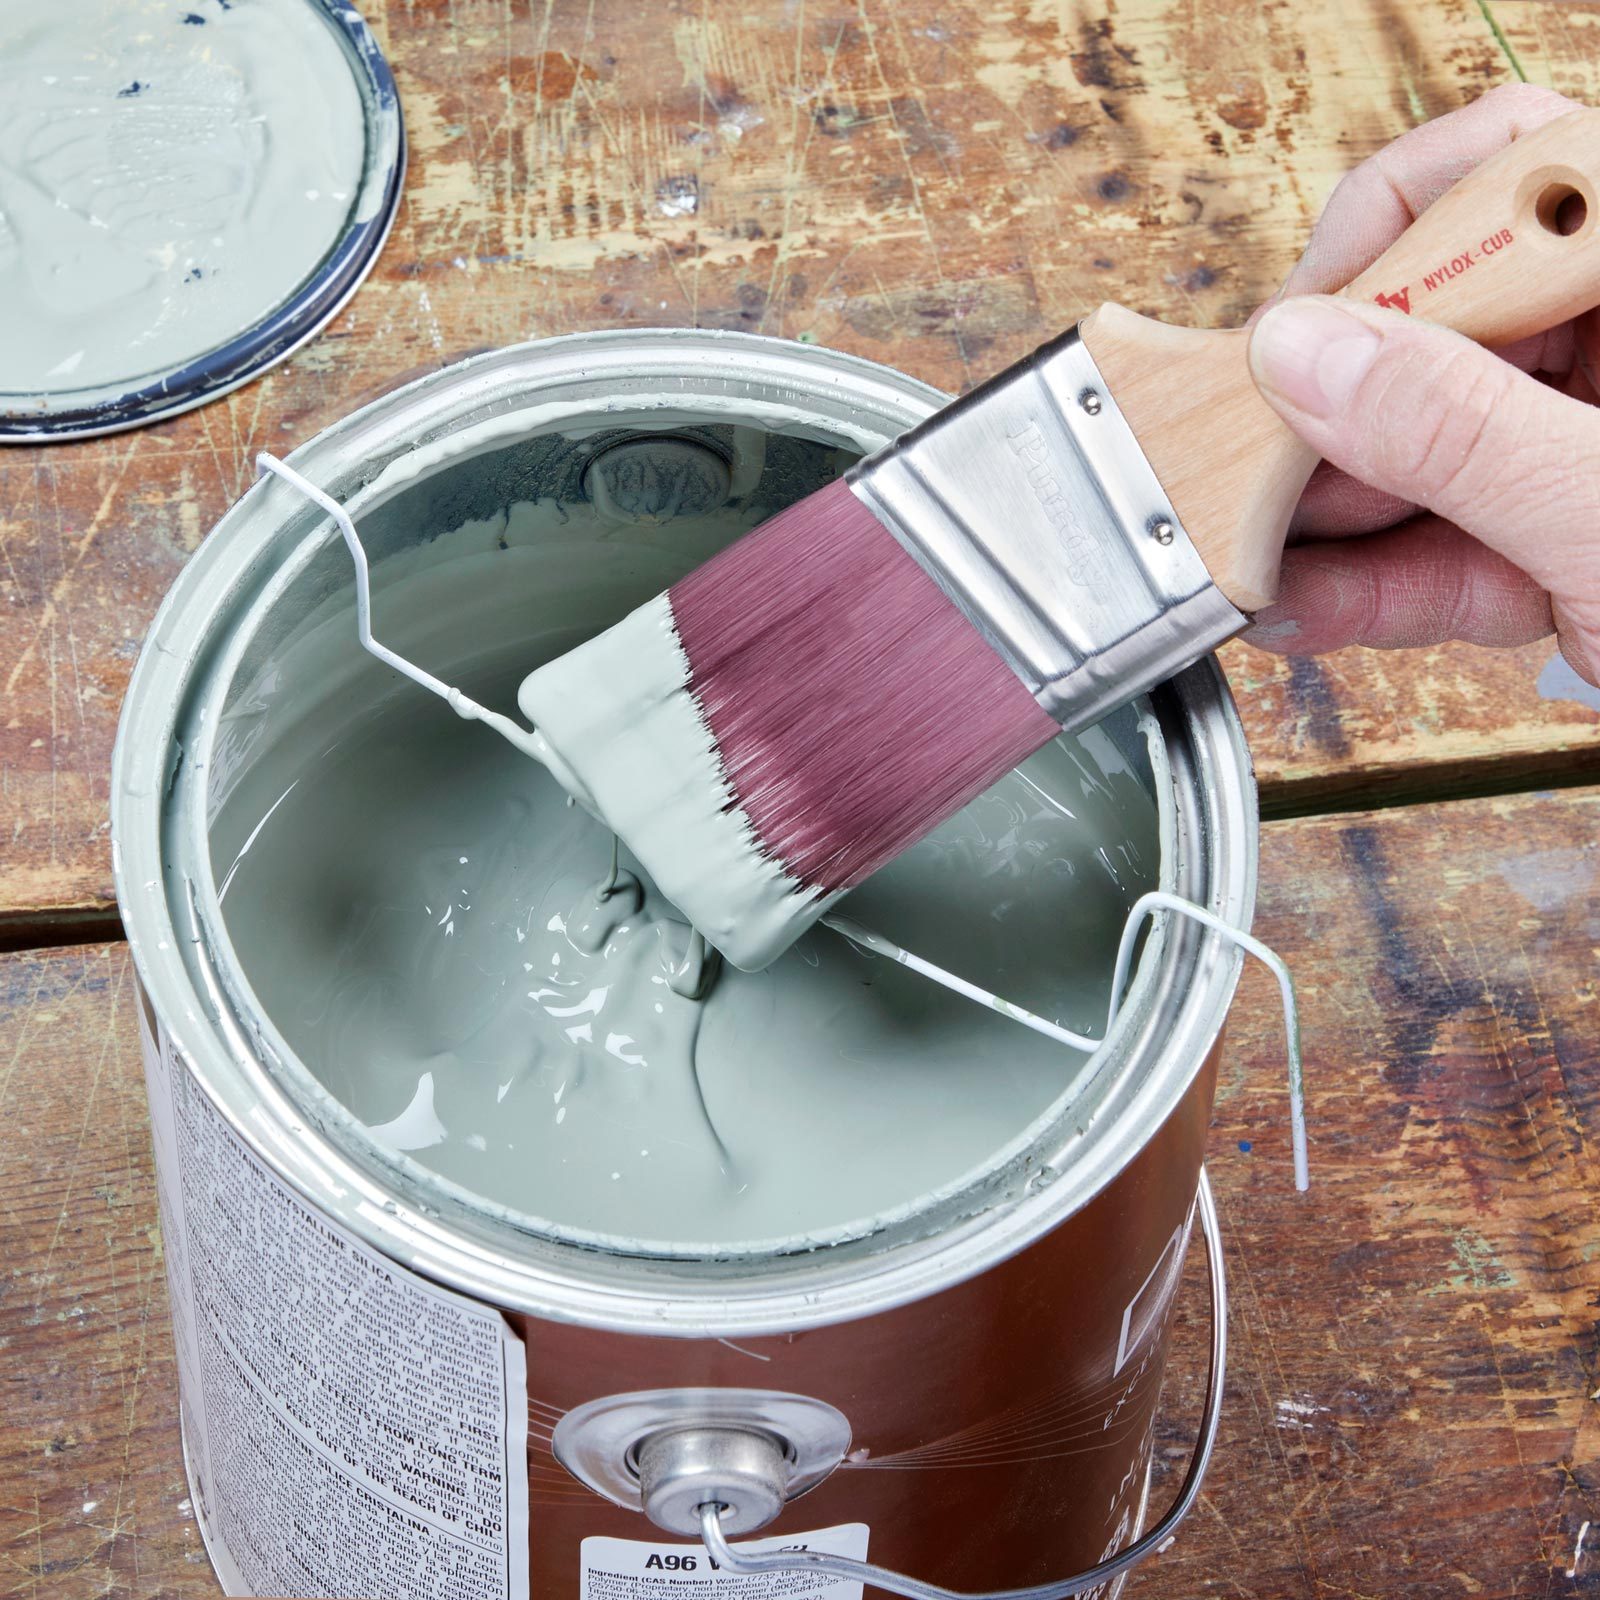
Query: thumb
(1420, 412)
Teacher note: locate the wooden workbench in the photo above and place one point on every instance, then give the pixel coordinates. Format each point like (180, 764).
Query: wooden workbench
(937, 185)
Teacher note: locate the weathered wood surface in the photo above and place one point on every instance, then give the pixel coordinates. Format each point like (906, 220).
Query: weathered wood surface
(1553, 42)
(93, 1499)
(1411, 1408)
(933, 183)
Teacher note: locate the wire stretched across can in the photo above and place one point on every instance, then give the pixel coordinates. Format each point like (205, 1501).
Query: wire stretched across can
(528, 742)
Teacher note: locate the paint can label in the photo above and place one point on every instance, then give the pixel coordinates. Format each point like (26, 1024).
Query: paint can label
(640, 1569)
(350, 1428)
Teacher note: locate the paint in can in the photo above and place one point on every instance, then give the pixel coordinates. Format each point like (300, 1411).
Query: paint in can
(391, 1387)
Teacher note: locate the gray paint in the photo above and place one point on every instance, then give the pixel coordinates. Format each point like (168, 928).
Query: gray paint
(427, 922)
(164, 184)
(629, 690)
(1557, 681)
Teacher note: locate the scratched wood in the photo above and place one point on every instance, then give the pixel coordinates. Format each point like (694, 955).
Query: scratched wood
(1414, 1405)
(1411, 1404)
(93, 1499)
(1553, 42)
(932, 183)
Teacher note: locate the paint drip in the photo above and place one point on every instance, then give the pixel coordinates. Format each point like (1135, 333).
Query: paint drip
(171, 171)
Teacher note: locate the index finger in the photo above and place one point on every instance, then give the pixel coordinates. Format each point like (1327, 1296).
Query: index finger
(1376, 202)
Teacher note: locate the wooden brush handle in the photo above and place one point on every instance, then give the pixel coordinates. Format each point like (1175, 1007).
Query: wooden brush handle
(1488, 258)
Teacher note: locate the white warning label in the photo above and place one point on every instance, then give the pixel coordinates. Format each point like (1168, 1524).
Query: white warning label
(634, 1569)
(352, 1429)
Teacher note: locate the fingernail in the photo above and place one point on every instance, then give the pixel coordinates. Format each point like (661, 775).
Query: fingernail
(1312, 354)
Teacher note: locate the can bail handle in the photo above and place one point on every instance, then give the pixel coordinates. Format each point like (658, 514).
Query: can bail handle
(718, 1475)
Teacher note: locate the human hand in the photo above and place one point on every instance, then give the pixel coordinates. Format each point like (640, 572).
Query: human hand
(1459, 495)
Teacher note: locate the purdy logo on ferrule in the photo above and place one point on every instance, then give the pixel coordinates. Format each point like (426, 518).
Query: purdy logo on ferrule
(1085, 564)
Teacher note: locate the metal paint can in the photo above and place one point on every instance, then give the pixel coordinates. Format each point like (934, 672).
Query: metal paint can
(390, 1388)
(81, 413)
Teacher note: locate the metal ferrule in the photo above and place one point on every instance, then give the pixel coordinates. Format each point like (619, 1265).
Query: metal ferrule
(1031, 504)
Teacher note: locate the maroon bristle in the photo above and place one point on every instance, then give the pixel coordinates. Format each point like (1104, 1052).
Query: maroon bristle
(853, 706)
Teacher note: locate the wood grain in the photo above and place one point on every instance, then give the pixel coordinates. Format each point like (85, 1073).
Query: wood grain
(1411, 1406)
(937, 186)
(93, 1499)
(1553, 42)
(1414, 1401)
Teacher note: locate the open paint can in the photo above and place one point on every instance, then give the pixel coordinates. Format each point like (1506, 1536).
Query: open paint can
(496, 1254)
(189, 191)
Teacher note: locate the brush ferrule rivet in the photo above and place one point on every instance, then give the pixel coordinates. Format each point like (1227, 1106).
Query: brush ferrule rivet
(1090, 401)
(1161, 531)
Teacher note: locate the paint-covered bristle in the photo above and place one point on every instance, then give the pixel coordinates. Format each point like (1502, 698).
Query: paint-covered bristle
(853, 706)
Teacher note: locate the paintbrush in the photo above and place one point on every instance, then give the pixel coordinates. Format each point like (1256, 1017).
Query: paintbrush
(793, 714)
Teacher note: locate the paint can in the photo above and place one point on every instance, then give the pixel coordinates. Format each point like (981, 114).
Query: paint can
(390, 1387)
(67, 408)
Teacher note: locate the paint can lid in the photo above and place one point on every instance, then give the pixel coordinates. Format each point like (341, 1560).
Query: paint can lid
(181, 148)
